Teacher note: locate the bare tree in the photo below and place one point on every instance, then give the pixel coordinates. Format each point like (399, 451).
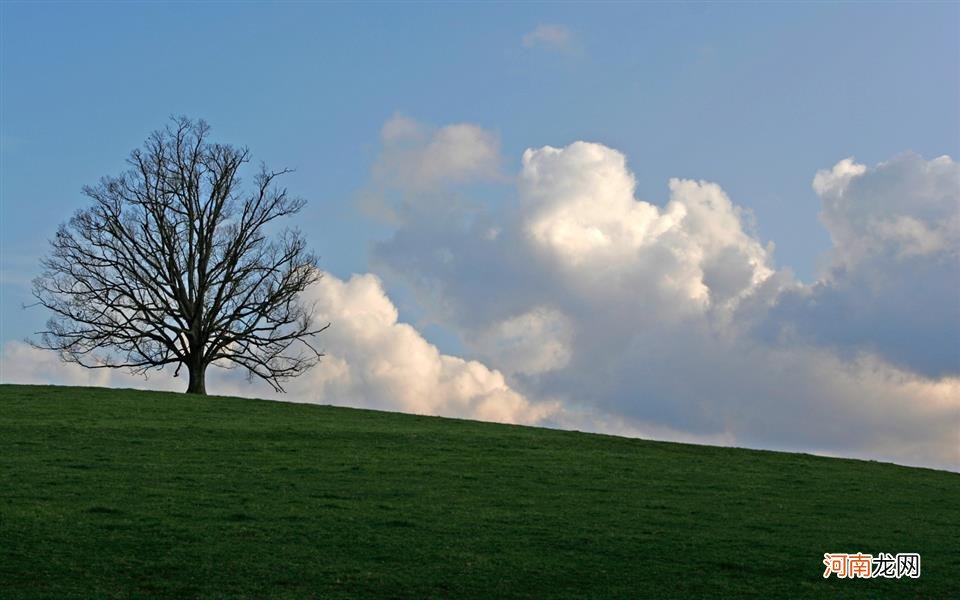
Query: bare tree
(174, 265)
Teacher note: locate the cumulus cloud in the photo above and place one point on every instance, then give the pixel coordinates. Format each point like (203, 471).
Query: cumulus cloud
(373, 361)
(536, 341)
(643, 316)
(547, 35)
(892, 282)
(378, 362)
(901, 208)
(581, 214)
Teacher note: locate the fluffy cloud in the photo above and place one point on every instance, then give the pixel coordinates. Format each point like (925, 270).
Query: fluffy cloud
(891, 284)
(547, 35)
(377, 362)
(374, 361)
(581, 215)
(644, 317)
(903, 208)
(417, 161)
(536, 341)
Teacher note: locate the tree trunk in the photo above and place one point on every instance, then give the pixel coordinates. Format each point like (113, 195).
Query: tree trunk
(198, 374)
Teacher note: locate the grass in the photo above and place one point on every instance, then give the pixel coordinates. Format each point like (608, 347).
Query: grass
(118, 493)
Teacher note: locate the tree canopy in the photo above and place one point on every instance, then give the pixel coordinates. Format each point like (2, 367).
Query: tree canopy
(175, 263)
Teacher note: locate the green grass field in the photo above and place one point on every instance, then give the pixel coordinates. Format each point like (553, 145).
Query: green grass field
(122, 493)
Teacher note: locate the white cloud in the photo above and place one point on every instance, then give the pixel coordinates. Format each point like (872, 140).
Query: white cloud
(377, 362)
(901, 208)
(417, 158)
(420, 164)
(658, 305)
(536, 341)
(892, 279)
(835, 179)
(581, 213)
(401, 127)
(548, 35)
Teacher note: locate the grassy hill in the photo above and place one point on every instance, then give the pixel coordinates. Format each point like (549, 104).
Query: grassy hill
(124, 493)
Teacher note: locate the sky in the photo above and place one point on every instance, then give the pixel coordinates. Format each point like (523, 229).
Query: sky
(720, 223)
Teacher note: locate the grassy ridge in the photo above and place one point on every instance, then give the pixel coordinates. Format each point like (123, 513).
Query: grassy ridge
(120, 493)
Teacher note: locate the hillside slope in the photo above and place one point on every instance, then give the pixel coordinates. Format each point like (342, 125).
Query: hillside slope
(117, 492)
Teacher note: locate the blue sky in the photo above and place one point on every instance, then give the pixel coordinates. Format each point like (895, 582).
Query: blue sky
(755, 97)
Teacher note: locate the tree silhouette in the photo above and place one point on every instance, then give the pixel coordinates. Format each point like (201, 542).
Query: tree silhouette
(173, 264)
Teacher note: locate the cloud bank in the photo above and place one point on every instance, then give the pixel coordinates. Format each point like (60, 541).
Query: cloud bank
(892, 286)
(581, 306)
(675, 315)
